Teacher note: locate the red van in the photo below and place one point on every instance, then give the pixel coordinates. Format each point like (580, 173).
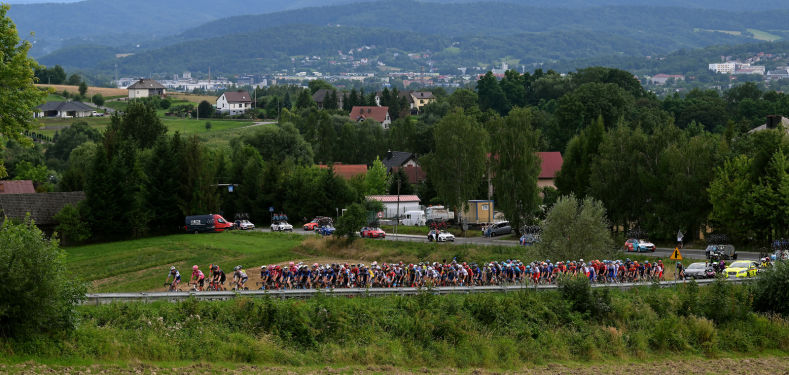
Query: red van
(206, 223)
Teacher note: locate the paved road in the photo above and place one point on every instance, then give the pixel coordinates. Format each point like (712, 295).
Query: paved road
(660, 252)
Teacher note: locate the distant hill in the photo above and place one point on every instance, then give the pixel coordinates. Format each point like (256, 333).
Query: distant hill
(120, 22)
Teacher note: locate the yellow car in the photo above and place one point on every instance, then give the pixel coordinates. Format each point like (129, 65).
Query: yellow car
(742, 268)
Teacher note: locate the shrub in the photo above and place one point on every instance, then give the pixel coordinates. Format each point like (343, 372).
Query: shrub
(771, 292)
(71, 227)
(351, 221)
(578, 292)
(208, 125)
(37, 295)
(98, 99)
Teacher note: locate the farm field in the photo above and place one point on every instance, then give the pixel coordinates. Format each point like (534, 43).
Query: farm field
(104, 91)
(185, 126)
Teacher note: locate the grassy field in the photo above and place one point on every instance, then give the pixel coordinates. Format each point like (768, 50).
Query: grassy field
(104, 91)
(192, 98)
(763, 35)
(141, 265)
(186, 126)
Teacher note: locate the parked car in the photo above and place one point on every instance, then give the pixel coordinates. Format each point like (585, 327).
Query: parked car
(281, 226)
(311, 226)
(528, 239)
(244, 225)
(721, 252)
(327, 230)
(636, 245)
(206, 223)
(699, 270)
(742, 268)
(498, 229)
(440, 236)
(372, 232)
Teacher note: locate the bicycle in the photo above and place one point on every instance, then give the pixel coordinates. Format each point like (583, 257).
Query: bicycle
(171, 288)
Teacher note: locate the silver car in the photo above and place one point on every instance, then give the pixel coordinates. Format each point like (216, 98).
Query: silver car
(699, 270)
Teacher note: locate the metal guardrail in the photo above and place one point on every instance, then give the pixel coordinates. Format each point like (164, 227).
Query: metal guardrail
(104, 298)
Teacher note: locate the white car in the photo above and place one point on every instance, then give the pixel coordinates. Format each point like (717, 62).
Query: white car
(440, 236)
(282, 226)
(244, 225)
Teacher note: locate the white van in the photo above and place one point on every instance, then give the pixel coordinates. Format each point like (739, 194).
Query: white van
(413, 218)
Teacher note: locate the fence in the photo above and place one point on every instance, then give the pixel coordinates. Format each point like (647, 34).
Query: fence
(104, 298)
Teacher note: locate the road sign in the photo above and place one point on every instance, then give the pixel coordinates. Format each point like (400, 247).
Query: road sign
(380, 214)
(676, 255)
(271, 209)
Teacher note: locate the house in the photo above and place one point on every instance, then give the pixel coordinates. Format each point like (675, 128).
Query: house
(379, 114)
(321, 96)
(64, 110)
(346, 171)
(550, 166)
(392, 202)
(145, 88)
(17, 187)
(661, 79)
(41, 207)
(773, 121)
(420, 99)
(479, 212)
(234, 102)
(395, 160)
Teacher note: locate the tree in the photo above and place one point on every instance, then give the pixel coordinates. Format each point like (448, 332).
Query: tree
(19, 95)
(401, 178)
(277, 144)
(728, 194)
(74, 80)
(139, 123)
(330, 102)
(205, 109)
(286, 103)
(463, 98)
(576, 229)
(318, 84)
(69, 138)
(515, 166)
(304, 100)
(83, 88)
(354, 218)
(71, 227)
(98, 100)
(457, 165)
(162, 184)
(375, 179)
(38, 294)
(491, 96)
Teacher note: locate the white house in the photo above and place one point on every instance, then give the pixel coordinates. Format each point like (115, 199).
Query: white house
(64, 110)
(234, 102)
(407, 203)
(145, 88)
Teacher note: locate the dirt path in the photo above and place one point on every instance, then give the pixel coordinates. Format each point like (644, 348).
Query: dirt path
(750, 366)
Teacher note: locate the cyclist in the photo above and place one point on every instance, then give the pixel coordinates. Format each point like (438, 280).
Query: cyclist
(176, 276)
(265, 274)
(217, 276)
(680, 271)
(198, 278)
(239, 277)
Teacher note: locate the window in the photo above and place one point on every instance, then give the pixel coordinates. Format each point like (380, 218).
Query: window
(485, 207)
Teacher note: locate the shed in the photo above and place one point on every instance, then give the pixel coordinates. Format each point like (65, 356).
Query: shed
(407, 203)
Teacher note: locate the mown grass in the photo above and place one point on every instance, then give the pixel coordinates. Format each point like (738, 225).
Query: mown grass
(143, 264)
(492, 331)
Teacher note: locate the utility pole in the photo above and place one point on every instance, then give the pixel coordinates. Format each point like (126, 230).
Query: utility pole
(397, 216)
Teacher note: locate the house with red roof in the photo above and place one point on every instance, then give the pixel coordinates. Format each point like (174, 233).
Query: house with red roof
(550, 166)
(346, 171)
(234, 102)
(17, 187)
(380, 114)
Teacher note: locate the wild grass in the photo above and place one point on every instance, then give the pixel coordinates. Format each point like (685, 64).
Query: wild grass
(491, 331)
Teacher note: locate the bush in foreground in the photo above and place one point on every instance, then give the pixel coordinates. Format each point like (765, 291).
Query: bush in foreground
(771, 292)
(37, 295)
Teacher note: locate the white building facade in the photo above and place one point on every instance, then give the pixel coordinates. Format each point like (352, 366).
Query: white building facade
(234, 102)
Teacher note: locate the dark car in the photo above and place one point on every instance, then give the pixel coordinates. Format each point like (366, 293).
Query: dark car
(499, 229)
(206, 223)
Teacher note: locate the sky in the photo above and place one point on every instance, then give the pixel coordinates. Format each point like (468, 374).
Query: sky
(39, 1)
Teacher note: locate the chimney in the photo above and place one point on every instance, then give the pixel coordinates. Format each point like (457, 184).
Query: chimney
(773, 121)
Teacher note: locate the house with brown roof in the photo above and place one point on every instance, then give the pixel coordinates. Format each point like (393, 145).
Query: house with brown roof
(41, 207)
(234, 102)
(550, 166)
(17, 187)
(420, 99)
(379, 114)
(145, 88)
(396, 160)
(346, 171)
(773, 122)
(321, 96)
